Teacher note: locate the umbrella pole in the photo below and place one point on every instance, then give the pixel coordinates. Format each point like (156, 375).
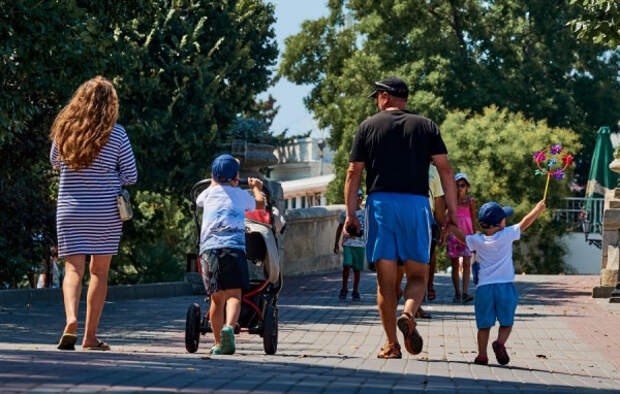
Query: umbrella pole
(546, 187)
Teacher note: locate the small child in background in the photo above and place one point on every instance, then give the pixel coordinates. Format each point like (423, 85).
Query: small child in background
(466, 212)
(496, 296)
(353, 249)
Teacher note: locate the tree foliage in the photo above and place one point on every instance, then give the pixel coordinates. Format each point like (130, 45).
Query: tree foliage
(599, 21)
(184, 71)
(458, 54)
(495, 150)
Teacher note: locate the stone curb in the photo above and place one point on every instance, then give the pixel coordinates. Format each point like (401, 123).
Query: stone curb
(120, 292)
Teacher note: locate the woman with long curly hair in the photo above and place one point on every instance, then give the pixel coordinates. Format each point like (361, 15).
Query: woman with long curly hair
(95, 160)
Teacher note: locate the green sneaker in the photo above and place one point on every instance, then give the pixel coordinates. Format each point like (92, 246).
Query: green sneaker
(228, 340)
(217, 349)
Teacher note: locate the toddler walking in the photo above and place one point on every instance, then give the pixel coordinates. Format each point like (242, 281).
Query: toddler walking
(496, 296)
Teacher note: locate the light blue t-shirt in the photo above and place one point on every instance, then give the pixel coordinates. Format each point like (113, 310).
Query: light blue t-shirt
(224, 209)
(495, 254)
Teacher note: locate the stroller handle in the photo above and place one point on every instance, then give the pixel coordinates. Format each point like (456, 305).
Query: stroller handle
(203, 184)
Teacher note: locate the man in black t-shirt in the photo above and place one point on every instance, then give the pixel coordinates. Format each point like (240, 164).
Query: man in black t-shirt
(396, 147)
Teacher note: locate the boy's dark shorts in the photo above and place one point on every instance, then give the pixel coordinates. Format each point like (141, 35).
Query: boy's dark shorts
(224, 269)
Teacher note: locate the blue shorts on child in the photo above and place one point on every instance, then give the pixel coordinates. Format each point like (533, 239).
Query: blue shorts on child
(495, 301)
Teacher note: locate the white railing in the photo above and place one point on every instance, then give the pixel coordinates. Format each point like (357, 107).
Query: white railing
(574, 209)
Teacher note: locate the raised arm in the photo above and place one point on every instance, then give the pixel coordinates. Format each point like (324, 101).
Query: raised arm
(531, 217)
(257, 186)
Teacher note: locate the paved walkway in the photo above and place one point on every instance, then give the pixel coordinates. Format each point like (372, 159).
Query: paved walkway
(564, 341)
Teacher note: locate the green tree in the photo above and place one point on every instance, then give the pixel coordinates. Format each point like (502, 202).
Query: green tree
(599, 21)
(184, 71)
(495, 150)
(457, 54)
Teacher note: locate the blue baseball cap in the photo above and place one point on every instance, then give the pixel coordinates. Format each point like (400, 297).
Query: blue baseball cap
(491, 214)
(360, 192)
(225, 168)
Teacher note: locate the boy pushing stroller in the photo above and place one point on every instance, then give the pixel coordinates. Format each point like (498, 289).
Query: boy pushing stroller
(222, 246)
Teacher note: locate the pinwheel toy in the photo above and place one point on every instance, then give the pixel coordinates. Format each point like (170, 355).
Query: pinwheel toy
(552, 162)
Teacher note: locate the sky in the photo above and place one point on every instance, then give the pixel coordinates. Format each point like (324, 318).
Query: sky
(293, 115)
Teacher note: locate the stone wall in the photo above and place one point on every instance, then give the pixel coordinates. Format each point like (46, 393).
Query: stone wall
(610, 259)
(309, 240)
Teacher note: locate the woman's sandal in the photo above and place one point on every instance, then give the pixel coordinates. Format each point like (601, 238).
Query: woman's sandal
(100, 346)
(413, 340)
(67, 341)
(390, 350)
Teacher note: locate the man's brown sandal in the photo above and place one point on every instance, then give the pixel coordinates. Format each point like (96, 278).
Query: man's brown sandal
(390, 350)
(413, 340)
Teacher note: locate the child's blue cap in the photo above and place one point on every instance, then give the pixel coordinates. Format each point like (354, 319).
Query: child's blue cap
(360, 192)
(491, 214)
(225, 168)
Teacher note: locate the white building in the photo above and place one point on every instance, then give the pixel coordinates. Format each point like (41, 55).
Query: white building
(305, 168)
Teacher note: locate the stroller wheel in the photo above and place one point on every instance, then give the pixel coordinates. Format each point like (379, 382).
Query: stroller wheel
(270, 329)
(192, 328)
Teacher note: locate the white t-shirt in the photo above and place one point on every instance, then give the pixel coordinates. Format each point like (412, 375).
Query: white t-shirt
(495, 255)
(224, 209)
(355, 242)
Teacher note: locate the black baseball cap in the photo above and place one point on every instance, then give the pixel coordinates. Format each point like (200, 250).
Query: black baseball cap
(394, 86)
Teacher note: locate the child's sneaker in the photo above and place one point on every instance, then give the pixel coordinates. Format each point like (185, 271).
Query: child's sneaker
(481, 360)
(343, 294)
(216, 349)
(228, 340)
(355, 296)
(500, 353)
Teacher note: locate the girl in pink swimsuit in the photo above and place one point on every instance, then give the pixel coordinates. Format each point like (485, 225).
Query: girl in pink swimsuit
(466, 212)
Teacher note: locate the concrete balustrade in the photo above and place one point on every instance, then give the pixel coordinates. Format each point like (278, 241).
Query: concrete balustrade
(309, 240)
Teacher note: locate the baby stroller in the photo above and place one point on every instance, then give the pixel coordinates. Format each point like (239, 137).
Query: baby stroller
(259, 303)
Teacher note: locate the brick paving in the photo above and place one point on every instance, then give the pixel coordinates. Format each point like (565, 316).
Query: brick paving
(564, 341)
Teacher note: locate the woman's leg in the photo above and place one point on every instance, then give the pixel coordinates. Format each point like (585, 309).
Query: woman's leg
(97, 290)
(466, 273)
(72, 289)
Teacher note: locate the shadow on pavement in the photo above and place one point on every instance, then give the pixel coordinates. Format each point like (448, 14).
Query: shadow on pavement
(37, 370)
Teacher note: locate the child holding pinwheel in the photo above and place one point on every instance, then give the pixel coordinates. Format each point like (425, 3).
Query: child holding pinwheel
(496, 296)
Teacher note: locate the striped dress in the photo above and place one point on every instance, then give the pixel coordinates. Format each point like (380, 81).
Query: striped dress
(87, 218)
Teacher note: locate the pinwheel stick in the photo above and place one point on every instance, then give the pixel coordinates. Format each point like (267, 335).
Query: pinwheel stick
(546, 187)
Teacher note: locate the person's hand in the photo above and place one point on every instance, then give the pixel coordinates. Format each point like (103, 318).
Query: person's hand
(336, 248)
(255, 183)
(352, 221)
(442, 235)
(541, 206)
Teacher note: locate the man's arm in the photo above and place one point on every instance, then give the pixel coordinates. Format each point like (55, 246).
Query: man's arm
(351, 186)
(531, 217)
(446, 174)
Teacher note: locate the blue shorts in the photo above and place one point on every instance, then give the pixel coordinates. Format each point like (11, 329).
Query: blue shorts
(497, 301)
(399, 227)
